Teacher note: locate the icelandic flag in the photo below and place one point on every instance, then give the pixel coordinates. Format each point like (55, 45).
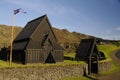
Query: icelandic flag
(19, 10)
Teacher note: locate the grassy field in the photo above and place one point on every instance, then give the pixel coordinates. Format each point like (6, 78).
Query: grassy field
(77, 78)
(4, 64)
(72, 55)
(107, 49)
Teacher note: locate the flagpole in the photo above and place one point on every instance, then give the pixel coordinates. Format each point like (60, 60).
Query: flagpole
(12, 33)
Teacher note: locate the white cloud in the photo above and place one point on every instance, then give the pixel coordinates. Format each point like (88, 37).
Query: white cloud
(113, 37)
(110, 34)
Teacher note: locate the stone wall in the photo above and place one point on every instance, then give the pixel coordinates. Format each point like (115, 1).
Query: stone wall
(104, 66)
(42, 73)
(49, 73)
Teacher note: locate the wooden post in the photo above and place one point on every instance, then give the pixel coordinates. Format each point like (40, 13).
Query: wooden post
(25, 56)
(12, 33)
(89, 66)
(97, 64)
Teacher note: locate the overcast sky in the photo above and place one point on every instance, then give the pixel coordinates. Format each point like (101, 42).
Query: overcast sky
(99, 18)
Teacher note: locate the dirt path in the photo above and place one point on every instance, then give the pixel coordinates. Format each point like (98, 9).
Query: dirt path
(114, 76)
(116, 56)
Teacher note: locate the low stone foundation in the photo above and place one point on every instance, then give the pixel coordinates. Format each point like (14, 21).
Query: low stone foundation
(104, 66)
(51, 72)
(42, 73)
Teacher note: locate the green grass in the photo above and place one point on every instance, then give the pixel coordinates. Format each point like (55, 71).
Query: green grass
(4, 64)
(73, 62)
(88, 77)
(72, 55)
(108, 49)
(76, 78)
(114, 69)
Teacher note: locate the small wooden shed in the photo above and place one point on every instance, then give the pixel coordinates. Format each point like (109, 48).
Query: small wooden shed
(88, 52)
(37, 43)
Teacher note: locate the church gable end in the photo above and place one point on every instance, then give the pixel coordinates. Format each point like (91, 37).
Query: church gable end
(40, 43)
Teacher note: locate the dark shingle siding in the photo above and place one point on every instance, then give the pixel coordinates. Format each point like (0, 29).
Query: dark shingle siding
(20, 45)
(85, 47)
(29, 29)
(33, 43)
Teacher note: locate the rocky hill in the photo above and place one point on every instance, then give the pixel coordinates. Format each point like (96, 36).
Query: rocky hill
(5, 34)
(65, 36)
(68, 40)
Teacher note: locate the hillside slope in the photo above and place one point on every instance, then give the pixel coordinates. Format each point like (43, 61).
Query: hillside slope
(65, 36)
(5, 34)
(68, 40)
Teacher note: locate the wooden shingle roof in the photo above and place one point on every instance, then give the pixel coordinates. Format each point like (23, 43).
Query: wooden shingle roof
(20, 45)
(36, 28)
(29, 28)
(86, 48)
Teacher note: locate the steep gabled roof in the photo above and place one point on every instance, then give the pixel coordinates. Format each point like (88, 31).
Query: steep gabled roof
(86, 48)
(29, 28)
(23, 40)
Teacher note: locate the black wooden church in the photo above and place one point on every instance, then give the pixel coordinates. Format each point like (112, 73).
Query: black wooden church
(37, 43)
(88, 51)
